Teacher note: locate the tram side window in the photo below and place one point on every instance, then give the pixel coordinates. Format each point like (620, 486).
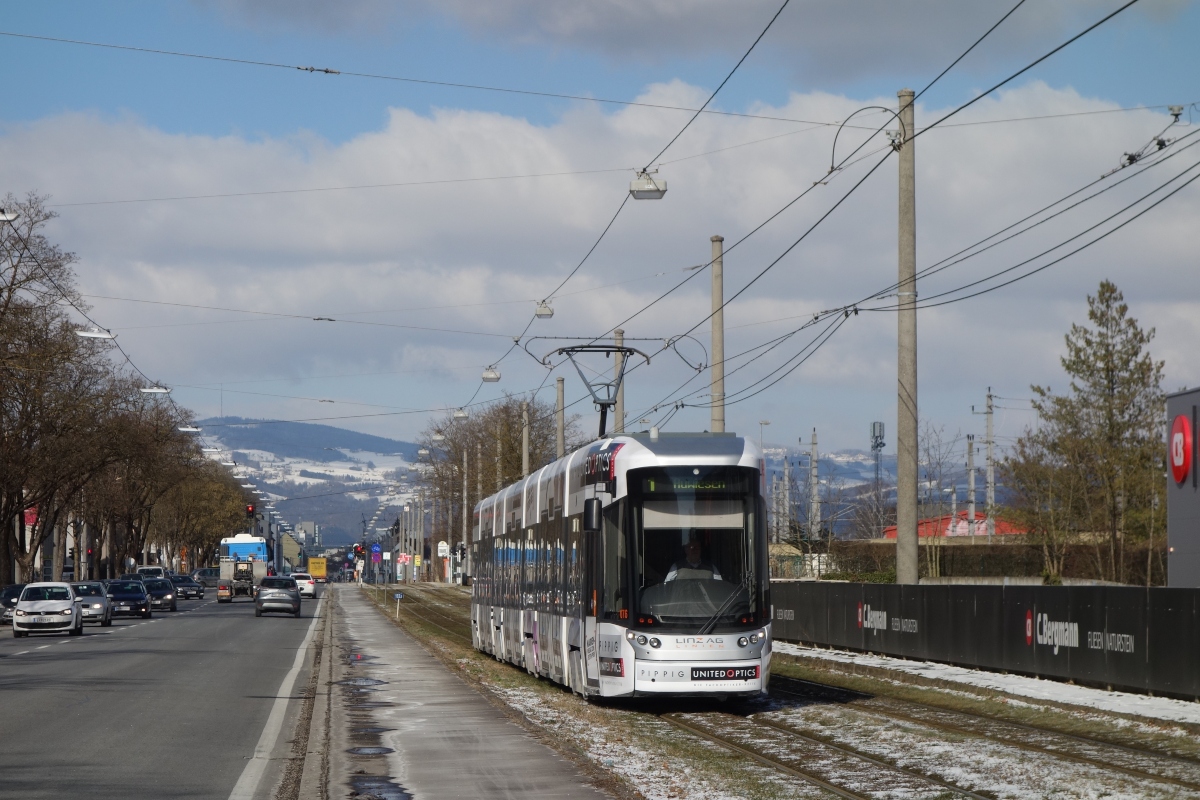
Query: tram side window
(574, 574)
(616, 564)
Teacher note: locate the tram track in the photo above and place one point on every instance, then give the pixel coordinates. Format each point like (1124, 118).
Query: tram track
(1136, 762)
(837, 769)
(821, 756)
(417, 601)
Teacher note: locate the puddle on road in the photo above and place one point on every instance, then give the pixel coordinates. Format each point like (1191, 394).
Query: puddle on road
(370, 751)
(368, 731)
(361, 682)
(369, 704)
(374, 787)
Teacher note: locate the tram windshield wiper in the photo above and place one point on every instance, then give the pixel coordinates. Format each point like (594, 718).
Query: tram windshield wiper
(712, 621)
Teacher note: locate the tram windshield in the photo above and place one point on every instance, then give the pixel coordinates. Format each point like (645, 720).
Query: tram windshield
(695, 556)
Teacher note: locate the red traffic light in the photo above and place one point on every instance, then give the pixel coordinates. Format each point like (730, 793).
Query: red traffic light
(250, 510)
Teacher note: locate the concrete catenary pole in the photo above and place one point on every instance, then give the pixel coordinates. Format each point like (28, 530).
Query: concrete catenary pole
(906, 355)
(466, 504)
(618, 360)
(814, 492)
(991, 471)
(524, 439)
(787, 498)
(971, 485)
(718, 334)
(499, 465)
(560, 418)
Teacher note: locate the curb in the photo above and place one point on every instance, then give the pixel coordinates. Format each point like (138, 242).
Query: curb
(314, 780)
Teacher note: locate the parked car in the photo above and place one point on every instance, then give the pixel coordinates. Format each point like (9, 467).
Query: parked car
(95, 606)
(186, 588)
(8, 601)
(207, 576)
(152, 572)
(162, 593)
(305, 583)
(129, 599)
(47, 607)
(277, 594)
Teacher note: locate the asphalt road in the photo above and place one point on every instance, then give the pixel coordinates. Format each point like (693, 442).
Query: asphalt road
(161, 708)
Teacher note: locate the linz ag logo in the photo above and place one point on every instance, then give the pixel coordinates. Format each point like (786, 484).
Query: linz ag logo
(700, 642)
(724, 673)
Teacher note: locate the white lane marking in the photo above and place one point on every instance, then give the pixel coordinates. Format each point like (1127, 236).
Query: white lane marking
(43, 647)
(247, 784)
(23, 652)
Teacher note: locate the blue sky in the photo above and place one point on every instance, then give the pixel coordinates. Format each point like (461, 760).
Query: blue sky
(83, 123)
(1139, 58)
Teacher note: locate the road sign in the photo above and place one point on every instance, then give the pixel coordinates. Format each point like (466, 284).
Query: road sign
(376, 558)
(377, 548)
(387, 555)
(398, 596)
(443, 549)
(416, 561)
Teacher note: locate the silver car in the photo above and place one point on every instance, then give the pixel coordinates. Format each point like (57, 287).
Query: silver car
(277, 594)
(47, 607)
(96, 606)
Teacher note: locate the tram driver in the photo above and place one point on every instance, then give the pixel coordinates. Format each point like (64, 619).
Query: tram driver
(692, 566)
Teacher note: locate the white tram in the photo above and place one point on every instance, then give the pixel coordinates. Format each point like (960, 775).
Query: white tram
(634, 566)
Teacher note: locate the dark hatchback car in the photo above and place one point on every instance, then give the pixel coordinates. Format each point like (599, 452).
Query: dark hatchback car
(129, 599)
(162, 593)
(9, 596)
(277, 594)
(186, 588)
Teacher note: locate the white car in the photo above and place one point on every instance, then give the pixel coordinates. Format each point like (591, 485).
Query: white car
(305, 583)
(48, 608)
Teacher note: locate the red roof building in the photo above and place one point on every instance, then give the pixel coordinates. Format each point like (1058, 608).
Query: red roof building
(957, 525)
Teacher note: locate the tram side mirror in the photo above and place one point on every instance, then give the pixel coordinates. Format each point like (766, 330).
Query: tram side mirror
(591, 515)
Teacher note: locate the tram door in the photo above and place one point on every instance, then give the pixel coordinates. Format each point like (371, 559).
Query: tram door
(593, 564)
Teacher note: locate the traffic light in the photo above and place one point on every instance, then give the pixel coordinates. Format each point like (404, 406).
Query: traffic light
(250, 511)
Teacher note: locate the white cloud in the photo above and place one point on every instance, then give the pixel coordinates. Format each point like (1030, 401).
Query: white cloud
(398, 255)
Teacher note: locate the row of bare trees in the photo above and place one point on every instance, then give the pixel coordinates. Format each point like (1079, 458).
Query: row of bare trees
(490, 440)
(83, 452)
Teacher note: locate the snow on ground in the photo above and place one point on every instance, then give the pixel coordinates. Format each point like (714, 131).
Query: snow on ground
(1162, 708)
(612, 750)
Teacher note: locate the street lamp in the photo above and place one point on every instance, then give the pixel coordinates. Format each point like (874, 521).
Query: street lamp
(544, 311)
(94, 333)
(154, 390)
(460, 413)
(491, 374)
(437, 438)
(644, 187)
(423, 452)
(189, 429)
(761, 424)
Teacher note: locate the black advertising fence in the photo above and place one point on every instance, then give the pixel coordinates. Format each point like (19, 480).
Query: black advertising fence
(1119, 636)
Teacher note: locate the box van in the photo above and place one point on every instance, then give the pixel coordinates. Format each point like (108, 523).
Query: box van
(152, 572)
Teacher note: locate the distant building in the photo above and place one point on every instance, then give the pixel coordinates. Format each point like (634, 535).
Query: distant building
(309, 533)
(957, 525)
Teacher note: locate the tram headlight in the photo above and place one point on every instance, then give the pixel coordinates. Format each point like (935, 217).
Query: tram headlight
(743, 641)
(641, 639)
(654, 642)
(754, 638)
